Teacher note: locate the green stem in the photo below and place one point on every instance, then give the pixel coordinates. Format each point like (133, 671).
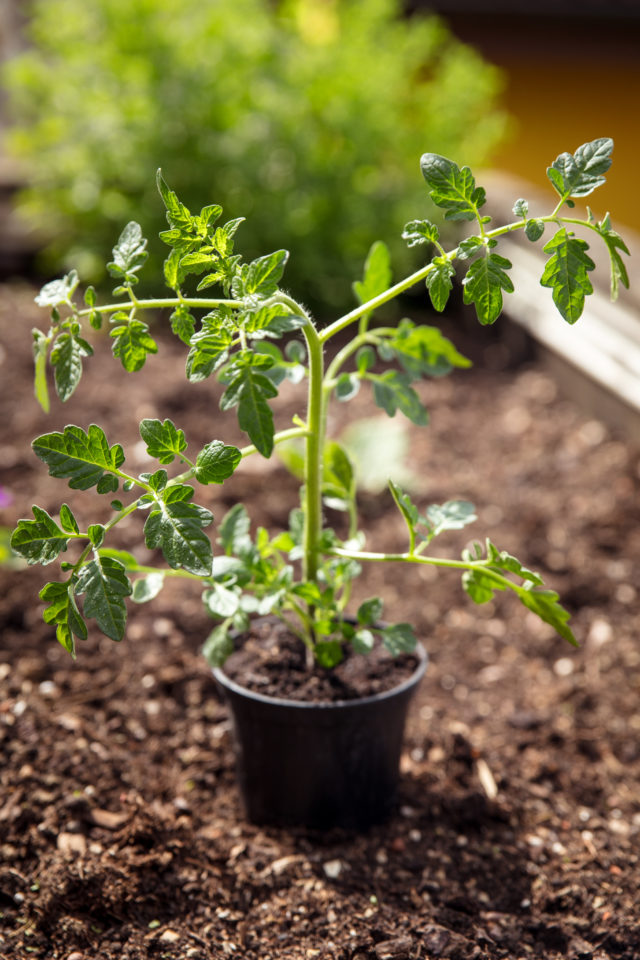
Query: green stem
(280, 437)
(159, 304)
(315, 429)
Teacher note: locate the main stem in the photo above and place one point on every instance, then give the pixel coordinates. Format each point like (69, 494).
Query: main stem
(312, 496)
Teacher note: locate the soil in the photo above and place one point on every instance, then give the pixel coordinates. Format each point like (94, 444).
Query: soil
(516, 830)
(271, 661)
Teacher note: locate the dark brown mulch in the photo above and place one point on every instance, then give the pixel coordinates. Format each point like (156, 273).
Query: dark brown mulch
(517, 823)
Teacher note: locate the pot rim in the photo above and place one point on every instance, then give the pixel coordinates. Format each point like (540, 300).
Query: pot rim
(411, 681)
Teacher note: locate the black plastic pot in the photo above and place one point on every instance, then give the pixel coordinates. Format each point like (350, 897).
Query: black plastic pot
(319, 764)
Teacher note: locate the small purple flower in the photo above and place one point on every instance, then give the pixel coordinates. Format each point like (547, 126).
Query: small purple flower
(5, 498)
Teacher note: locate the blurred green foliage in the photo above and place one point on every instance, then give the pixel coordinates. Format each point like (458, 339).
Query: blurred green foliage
(307, 117)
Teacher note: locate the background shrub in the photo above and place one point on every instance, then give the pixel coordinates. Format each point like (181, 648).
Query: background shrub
(308, 118)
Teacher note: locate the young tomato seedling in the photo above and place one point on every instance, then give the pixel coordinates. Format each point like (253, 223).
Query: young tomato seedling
(302, 575)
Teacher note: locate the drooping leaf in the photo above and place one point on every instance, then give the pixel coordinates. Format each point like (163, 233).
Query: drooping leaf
(62, 611)
(578, 174)
(233, 530)
(218, 645)
(183, 323)
(393, 391)
(614, 243)
(216, 462)
(163, 439)
(132, 344)
(40, 540)
(567, 273)
(105, 584)
(82, 457)
(249, 389)
(440, 283)
(175, 526)
(544, 603)
(377, 273)
(58, 291)
(424, 351)
(452, 188)
(66, 358)
(483, 285)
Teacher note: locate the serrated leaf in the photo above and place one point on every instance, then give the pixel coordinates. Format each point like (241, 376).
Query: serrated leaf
(452, 515)
(469, 247)
(377, 273)
(424, 351)
(81, 457)
(261, 276)
(66, 359)
(483, 285)
(480, 586)
(249, 389)
(40, 540)
(132, 344)
(393, 391)
(404, 504)
(177, 214)
(439, 282)
(578, 174)
(96, 533)
(164, 440)
(399, 638)
(271, 322)
(183, 323)
(146, 588)
(544, 603)
(521, 208)
(174, 525)
(614, 243)
(107, 484)
(58, 291)
(209, 346)
(417, 232)
(567, 273)
(452, 188)
(62, 611)
(216, 462)
(129, 253)
(105, 584)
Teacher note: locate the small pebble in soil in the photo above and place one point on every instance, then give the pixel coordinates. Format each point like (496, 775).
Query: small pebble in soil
(332, 869)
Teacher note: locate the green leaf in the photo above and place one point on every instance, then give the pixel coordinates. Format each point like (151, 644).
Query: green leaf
(233, 530)
(405, 505)
(96, 533)
(399, 638)
(534, 229)
(338, 469)
(452, 515)
(424, 351)
(393, 391)
(347, 386)
(578, 174)
(209, 349)
(417, 232)
(67, 520)
(614, 243)
(521, 208)
(452, 188)
(544, 603)
(183, 323)
(177, 214)
(328, 653)
(567, 273)
(132, 344)
(377, 273)
(66, 358)
(261, 276)
(250, 389)
(439, 282)
(40, 354)
(175, 526)
(218, 645)
(40, 540)
(107, 484)
(129, 254)
(146, 588)
(58, 291)
(469, 247)
(216, 462)
(220, 601)
(483, 285)
(164, 441)
(480, 586)
(82, 457)
(63, 611)
(370, 611)
(105, 584)
(363, 642)
(272, 322)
